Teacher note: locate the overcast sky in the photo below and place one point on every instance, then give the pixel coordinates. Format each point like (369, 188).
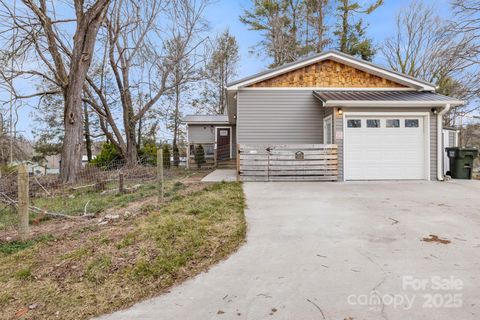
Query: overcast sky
(225, 14)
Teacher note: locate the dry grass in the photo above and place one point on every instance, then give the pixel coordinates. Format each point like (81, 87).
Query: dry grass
(99, 269)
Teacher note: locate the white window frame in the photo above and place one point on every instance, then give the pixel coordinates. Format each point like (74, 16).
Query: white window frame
(426, 128)
(216, 135)
(328, 119)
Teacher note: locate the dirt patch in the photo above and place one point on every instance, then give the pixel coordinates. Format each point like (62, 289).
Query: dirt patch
(435, 238)
(87, 270)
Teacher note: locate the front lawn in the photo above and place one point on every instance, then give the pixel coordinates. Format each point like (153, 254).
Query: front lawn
(102, 268)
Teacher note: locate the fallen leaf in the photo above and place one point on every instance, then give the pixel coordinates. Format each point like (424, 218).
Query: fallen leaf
(20, 313)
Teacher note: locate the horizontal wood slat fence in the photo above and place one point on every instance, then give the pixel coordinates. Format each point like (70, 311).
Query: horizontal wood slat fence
(288, 162)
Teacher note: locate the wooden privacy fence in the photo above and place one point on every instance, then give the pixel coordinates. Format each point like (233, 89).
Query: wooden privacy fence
(288, 162)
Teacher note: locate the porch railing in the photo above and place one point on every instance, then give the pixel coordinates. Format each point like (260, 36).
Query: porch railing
(288, 162)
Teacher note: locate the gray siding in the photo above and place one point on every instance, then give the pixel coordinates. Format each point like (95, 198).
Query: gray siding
(338, 126)
(205, 133)
(201, 133)
(281, 117)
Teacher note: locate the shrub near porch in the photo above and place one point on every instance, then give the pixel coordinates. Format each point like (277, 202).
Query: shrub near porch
(99, 269)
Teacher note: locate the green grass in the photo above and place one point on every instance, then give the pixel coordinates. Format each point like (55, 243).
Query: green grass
(15, 246)
(74, 202)
(99, 270)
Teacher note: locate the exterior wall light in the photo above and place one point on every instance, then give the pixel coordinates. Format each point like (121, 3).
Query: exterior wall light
(340, 111)
(434, 110)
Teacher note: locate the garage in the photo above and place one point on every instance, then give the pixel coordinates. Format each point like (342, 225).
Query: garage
(386, 146)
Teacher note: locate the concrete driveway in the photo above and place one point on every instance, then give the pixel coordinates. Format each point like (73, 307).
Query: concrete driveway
(342, 251)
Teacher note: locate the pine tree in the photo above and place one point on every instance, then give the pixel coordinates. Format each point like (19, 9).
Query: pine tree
(166, 156)
(278, 20)
(199, 156)
(352, 35)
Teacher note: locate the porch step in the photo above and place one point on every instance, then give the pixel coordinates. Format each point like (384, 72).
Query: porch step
(227, 164)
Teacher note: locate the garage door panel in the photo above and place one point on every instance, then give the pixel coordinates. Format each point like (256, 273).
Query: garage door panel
(385, 153)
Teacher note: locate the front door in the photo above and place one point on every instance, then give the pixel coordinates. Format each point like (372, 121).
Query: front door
(223, 144)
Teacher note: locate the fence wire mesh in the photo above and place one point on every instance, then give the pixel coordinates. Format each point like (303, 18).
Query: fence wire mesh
(96, 188)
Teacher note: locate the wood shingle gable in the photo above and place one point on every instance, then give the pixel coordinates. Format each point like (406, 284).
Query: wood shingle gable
(327, 73)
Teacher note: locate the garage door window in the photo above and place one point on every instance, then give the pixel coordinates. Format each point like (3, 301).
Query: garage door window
(373, 123)
(354, 123)
(411, 123)
(393, 123)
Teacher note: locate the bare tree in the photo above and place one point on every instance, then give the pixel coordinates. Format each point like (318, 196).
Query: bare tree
(278, 20)
(139, 63)
(427, 47)
(221, 67)
(61, 59)
(467, 20)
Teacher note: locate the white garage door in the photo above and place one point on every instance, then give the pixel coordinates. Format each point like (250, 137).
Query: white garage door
(385, 147)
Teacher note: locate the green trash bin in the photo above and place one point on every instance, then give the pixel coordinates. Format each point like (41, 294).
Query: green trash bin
(461, 161)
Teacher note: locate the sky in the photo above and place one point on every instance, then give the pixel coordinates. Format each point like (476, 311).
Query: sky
(224, 14)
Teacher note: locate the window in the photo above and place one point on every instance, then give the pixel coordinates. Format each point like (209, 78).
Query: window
(327, 130)
(411, 123)
(354, 123)
(393, 123)
(373, 123)
(209, 149)
(223, 133)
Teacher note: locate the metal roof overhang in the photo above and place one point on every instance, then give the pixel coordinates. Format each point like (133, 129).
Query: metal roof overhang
(383, 99)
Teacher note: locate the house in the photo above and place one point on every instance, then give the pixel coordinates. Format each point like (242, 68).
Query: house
(330, 116)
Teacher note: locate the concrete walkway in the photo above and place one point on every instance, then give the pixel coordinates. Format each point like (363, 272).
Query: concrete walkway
(331, 250)
(221, 175)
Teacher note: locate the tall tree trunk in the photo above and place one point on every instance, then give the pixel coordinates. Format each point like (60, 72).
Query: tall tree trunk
(88, 138)
(344, 29)
(83, 46)
(131, 156)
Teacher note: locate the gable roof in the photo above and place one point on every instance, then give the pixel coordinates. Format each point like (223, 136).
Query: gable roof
(339, 57)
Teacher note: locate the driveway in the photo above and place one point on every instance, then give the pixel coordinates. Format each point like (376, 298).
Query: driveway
(342, 251)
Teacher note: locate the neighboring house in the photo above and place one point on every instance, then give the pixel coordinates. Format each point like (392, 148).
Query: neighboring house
(383, 125)
(217, 136)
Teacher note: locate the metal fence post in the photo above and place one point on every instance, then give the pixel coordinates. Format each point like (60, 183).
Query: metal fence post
(23, 203)
(160, 175)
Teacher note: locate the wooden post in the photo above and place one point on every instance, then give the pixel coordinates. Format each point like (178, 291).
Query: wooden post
(23, 203)
(121, 187)
(160, 175)
(215, 152)
(238, 162)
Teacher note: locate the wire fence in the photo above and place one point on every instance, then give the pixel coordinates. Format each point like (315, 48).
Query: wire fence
(97, 177)
(95, 189)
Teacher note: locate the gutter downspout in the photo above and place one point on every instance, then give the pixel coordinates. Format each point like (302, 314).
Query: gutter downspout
(440, 142)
